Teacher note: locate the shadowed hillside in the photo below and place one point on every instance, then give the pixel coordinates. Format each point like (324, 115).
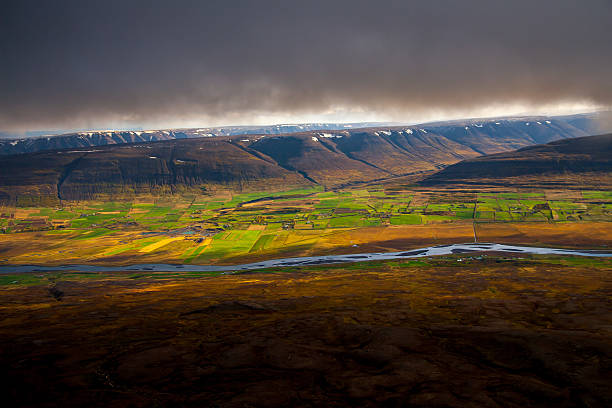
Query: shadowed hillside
(133, 169)
(568, 158)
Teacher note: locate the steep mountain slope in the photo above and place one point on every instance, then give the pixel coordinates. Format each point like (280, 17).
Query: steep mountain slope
(255, 162)
(401, 151)
(333, 158)
(316, 160)
(134, 169)
(489, 136)
(567, 158)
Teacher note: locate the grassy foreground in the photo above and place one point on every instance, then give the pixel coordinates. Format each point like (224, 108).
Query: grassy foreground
(229, 227)
(475, 331)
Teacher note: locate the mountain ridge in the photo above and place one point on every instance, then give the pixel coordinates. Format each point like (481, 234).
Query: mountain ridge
(257, 162)
(578, 125)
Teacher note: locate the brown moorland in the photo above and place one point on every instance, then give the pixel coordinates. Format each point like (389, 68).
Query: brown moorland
(441, 332)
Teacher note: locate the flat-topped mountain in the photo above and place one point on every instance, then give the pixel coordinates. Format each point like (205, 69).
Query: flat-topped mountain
(502, 134)
(92, 138)
(549, 163)
(262, 162)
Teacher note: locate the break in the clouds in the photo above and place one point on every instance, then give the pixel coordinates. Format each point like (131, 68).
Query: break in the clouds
(92, 63)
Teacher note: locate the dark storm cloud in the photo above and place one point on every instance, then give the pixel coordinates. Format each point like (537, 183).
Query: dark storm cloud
(65, 63)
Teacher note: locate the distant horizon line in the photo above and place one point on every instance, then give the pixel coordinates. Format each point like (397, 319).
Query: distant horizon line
(60, 132)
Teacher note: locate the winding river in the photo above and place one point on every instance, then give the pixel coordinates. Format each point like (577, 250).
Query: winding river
(312, 260)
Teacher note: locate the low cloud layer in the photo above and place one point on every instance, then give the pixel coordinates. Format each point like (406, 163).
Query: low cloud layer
(85, 64)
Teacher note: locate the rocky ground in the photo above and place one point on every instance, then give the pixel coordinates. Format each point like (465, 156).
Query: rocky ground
(486, 332)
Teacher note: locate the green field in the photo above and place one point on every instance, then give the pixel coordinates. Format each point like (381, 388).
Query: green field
(235, 224)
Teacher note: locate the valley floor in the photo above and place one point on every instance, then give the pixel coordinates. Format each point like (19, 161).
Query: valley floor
(464, 330)
(229, 228)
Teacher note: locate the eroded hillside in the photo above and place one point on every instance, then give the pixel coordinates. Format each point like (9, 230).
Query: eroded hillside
(260, 162)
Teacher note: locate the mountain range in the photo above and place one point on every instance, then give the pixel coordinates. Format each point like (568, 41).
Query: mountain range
(262, 162)
(91, 138)
(542, 127)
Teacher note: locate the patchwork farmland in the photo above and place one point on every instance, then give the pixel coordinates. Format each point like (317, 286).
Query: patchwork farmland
(202, 229)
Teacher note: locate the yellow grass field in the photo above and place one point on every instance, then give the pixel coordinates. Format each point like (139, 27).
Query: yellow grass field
(159, 244)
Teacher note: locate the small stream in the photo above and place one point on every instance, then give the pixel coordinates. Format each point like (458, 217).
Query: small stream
(312, 260)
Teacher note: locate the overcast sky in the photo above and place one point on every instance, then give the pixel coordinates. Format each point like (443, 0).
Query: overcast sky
(104, 64)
